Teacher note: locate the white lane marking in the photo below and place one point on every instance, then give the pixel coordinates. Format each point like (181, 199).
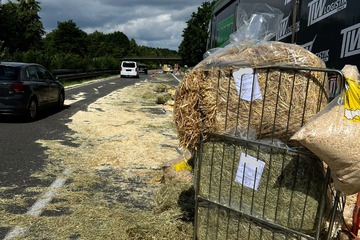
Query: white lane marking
(78, 97)
(36, 209)
(176, 77)
(91, 82)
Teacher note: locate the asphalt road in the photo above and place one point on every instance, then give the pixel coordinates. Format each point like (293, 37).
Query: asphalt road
(21, 156)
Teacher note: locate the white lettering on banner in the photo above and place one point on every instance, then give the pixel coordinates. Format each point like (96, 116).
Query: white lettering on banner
(287, 1)
(324, 55)
(351, 41)
(308, 46)
(319, 10)
(285, 30)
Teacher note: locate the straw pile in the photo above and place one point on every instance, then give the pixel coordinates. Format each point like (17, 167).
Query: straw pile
(289, 193)
(207, 99)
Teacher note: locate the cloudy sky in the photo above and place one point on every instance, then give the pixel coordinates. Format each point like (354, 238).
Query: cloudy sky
(152, 23)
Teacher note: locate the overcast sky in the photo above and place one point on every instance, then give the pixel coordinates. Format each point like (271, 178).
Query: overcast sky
(152, 23)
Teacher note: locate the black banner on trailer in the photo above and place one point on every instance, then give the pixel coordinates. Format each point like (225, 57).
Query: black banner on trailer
(328, 28)
(331, 30)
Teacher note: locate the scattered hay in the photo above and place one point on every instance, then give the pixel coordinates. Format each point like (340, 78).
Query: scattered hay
(207, 99)
(95, 203)
(289, 192)
(163, 98)
(149, 95)
(93, 214)
(160, 88)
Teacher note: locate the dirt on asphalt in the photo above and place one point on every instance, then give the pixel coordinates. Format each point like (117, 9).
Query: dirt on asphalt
(114, 191)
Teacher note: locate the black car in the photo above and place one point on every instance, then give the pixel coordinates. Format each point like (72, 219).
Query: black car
(25, 88)
(143, 69)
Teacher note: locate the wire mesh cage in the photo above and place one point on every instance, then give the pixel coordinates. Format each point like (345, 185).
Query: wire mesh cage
(252, 180)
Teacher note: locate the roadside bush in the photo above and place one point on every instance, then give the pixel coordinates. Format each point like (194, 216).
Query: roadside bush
(69, 61)
(36, 56)
(107, 62)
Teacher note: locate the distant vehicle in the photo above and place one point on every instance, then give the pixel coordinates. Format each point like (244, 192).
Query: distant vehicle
(167, 68)
(143, 69)
(25, 88)
(129, 69)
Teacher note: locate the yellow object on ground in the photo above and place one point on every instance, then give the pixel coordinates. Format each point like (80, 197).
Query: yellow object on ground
(183, 165)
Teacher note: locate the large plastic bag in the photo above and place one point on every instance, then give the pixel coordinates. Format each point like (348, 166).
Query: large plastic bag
(333, 135)
(256, 21)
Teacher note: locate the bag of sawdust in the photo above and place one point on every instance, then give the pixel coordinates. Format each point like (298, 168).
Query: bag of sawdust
(333, 135)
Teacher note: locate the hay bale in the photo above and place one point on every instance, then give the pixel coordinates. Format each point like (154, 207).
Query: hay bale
(217, 223)
(207, 99)
(289, 192)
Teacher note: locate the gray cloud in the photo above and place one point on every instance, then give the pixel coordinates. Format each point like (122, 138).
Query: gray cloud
(153, 23)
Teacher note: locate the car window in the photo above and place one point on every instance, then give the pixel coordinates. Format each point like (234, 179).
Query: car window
(31, 73)
(43, 73)
(8, 73)
(129, 64)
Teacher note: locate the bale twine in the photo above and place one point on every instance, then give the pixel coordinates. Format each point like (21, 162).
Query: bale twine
(207, 99)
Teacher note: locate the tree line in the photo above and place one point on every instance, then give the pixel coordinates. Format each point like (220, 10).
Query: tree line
(23, 39)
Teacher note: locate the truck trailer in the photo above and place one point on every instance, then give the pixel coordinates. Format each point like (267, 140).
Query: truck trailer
(328, 28)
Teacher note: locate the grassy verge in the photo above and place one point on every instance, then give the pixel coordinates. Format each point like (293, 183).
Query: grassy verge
(76, 82)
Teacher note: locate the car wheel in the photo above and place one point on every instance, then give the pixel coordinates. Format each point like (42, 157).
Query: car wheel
(122, 76)
(61, 100)
(32, 110)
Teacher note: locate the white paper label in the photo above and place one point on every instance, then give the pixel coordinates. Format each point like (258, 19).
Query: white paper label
(247, 84)
(249, 171)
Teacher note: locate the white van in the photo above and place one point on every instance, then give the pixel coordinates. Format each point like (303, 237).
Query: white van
(129, 69)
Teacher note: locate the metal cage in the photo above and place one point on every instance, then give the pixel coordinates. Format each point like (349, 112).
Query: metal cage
(252, 181)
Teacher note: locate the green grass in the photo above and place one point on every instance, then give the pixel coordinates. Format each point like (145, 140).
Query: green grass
(75, 82)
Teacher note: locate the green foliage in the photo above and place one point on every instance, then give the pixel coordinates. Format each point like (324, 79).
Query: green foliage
(67, 46)
(67, 38)
(21, 28)
(194, 35)
(107, 62)
(4, 52)
(115, 44)
(36, 56)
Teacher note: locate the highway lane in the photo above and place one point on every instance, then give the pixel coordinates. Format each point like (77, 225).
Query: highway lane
(21, 156)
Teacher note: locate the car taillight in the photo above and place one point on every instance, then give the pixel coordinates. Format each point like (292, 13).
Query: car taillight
(121, 69)
(135, 69)
(18, 87)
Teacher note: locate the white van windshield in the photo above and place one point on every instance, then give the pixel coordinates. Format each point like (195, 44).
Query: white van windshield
(129, 64)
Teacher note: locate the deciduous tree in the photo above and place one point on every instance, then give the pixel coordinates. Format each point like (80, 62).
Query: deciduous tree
(20, 24)
(193, 45)
(67, 38)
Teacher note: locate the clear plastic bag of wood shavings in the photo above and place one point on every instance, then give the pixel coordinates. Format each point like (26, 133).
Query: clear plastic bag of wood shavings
(334, 139)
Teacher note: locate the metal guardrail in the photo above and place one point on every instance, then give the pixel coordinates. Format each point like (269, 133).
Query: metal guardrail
(76, 74)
